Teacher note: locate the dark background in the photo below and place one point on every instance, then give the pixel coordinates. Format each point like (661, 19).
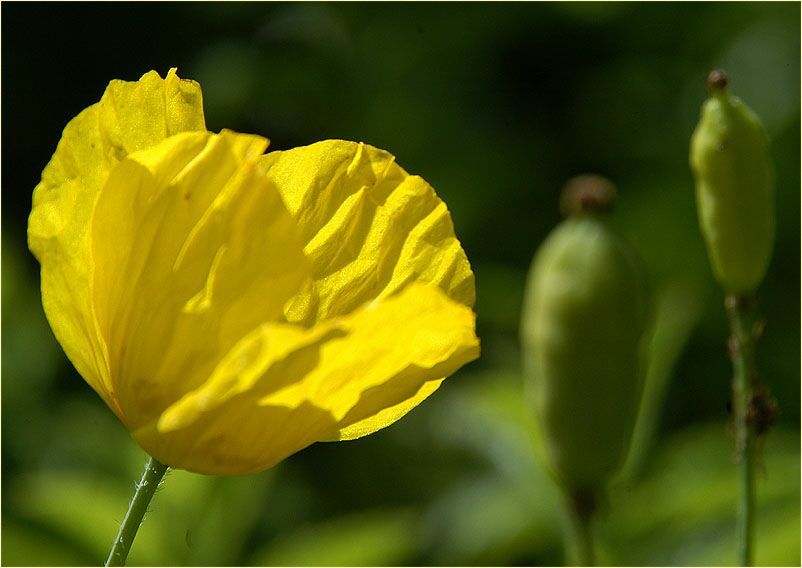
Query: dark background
(496, 105)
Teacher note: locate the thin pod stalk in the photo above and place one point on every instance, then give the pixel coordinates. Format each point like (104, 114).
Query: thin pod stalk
(741, 316)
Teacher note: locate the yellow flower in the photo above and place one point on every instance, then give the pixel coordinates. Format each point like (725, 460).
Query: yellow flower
(233, 307)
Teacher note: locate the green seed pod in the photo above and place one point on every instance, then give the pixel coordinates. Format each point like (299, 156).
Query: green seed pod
(734, 189)
(586, 309)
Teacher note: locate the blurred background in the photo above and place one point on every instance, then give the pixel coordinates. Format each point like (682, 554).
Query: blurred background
(496, 105)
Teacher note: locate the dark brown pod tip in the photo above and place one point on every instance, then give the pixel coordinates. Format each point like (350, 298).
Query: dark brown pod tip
(717, 80)
(587, 194)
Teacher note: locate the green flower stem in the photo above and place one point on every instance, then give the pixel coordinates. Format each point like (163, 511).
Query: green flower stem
(145, 489)
(579, 537)
(742, 350)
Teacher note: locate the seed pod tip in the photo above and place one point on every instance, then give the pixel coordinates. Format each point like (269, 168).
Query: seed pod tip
(717, 80)
(587, 194)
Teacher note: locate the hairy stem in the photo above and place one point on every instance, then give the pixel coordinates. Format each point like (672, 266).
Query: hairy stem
(145, 489)
(742, 351)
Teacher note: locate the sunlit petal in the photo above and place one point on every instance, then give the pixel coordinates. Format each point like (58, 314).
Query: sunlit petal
(130, 116)
(193, 248)
(307, 384)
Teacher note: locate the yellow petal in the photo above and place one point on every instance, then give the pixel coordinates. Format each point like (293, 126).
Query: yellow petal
(384, 417)
(393, 346)
(193, 249)
(285, 386)
(135, 116)
(369, 228)
(129, 117)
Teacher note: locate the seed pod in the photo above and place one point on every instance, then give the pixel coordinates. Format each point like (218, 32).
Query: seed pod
(734, 189)
(585, 313)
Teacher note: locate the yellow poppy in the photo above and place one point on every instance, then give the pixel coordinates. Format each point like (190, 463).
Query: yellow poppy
(233, 307)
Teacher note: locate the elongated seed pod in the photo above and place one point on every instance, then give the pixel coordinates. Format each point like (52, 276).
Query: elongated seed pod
(585, 311)
(734, 189)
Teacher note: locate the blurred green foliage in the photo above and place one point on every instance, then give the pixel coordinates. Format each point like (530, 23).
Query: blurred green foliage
(496, 105)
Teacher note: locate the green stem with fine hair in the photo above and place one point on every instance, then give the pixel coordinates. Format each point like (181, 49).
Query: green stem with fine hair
(740, 311)
(145, 489)
(580, 509)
